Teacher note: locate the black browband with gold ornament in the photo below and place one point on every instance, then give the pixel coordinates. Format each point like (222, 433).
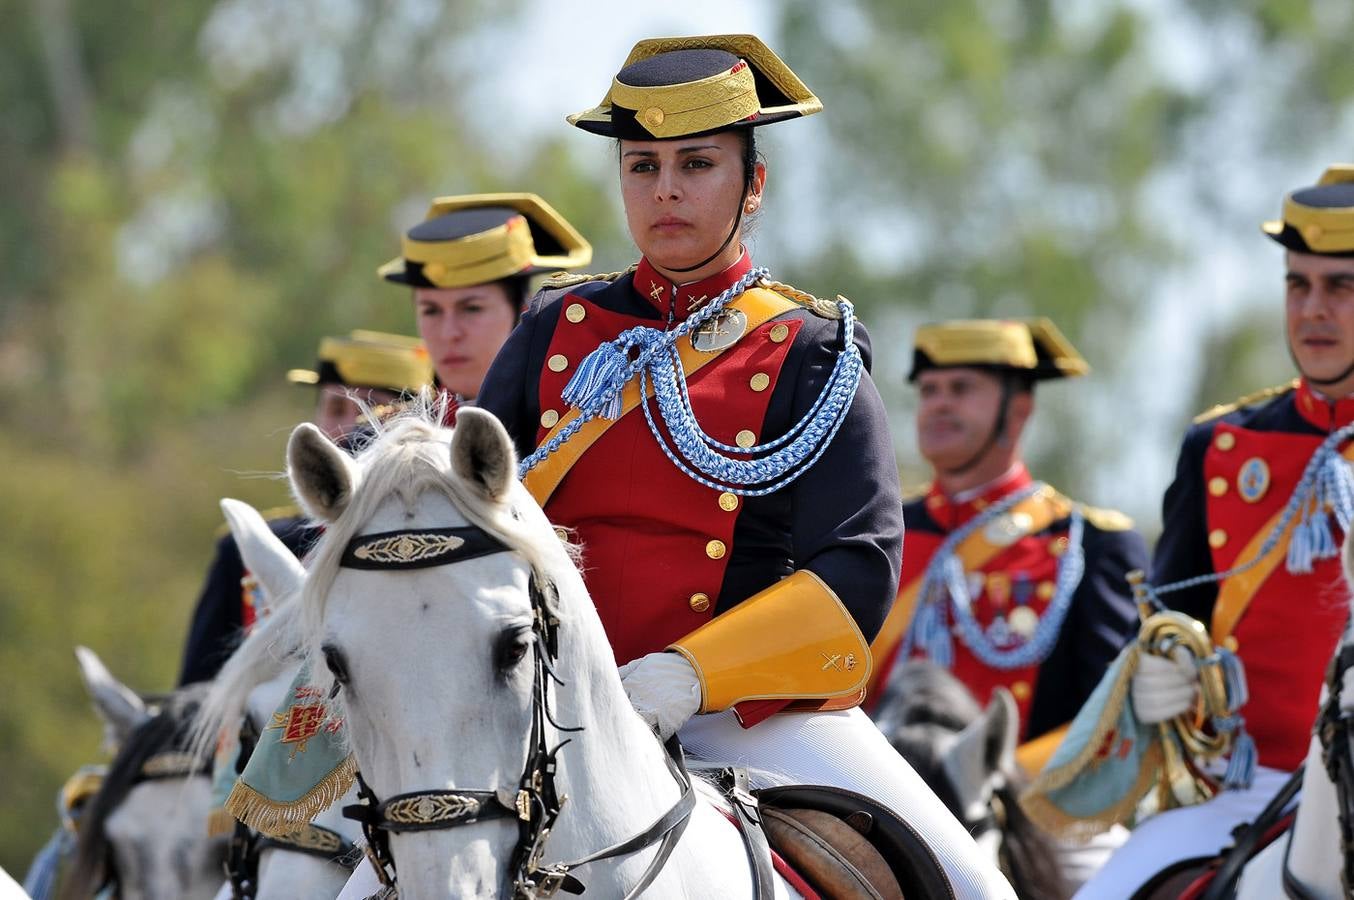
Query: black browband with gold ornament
(419, 548)
(534, 804)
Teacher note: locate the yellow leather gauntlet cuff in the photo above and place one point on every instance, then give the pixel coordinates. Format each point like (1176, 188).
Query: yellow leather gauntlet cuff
(793, 641)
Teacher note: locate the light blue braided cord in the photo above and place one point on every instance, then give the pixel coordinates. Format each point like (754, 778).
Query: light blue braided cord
(602, 375)
(1071, 567)
(1325, 480)
(596, 386)
(698, 455)
(930, 631)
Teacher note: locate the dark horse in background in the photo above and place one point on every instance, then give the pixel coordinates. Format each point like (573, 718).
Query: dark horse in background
(144, 834)
(967, 756)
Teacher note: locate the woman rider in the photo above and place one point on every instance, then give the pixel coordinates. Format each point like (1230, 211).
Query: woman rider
(737, 574)
(470, 264)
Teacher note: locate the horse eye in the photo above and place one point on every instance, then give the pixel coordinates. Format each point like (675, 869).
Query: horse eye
(512, 648)
(337, 663)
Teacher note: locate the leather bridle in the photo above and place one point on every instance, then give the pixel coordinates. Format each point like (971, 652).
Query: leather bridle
(534, 804)
(1335, 728)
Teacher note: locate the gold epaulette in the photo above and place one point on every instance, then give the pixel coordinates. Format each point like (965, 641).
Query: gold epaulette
(827, 309)
(290, 511)
(1223, 409)
(1102, 518)
(571, 279)
(1106, 519)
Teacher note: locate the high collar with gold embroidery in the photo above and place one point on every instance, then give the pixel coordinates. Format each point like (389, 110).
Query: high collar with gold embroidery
(1322, 412)
(950, 513)
(681, 299)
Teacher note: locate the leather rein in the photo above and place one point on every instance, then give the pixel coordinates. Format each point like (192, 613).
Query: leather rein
(535, 803)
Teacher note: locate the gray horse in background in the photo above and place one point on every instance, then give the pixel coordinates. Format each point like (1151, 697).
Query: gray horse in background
(966, 754)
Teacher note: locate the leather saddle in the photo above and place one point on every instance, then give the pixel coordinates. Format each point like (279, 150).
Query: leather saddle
(848, 847)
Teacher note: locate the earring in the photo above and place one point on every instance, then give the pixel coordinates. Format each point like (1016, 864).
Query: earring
(750, 206)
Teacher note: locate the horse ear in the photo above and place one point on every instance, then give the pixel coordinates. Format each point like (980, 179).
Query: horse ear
(121, 709)
(987, 744)
(323, 477)
(482, 453)
(267, 558)
(1003, 730)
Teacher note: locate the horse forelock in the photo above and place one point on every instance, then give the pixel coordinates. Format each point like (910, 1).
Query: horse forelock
(408, 459)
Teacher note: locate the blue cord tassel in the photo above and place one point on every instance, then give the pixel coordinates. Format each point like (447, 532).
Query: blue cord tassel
(1234, 677)
(597, 384)
(933, 634)
(1300, 549)
(1241, 767)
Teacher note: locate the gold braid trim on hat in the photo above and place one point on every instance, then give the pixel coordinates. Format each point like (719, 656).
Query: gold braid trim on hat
(279, 819)
(816, 305)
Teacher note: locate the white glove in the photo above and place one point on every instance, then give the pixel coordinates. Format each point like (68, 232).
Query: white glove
(1164, 688)
(664, 690)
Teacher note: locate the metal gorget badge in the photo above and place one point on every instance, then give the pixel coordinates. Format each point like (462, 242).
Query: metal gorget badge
(720, 332)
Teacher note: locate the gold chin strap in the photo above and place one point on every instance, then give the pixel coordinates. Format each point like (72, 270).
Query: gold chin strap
(793, 641)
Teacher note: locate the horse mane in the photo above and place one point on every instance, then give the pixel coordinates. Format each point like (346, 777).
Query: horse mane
(261, 656)
(922, 703)
(169, 730)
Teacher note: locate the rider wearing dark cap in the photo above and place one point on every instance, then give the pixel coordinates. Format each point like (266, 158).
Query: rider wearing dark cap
(737, 501)
(1274, 596)
(366, 366)
(470, 264)
(1044, 605)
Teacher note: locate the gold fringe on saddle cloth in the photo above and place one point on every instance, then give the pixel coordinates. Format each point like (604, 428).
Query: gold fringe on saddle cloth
(220, 822)
(1105, 766)
(277, 818)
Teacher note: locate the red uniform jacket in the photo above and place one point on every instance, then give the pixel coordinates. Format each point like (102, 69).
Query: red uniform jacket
(1102, 616)
(662, 553)
(1235, 473)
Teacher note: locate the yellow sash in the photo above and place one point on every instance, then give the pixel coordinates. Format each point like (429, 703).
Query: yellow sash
(758, 304)
(1236, 593)
(975, 551)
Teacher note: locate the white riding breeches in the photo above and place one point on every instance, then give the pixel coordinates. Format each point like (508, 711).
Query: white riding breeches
(844, 749)
(1181, 834)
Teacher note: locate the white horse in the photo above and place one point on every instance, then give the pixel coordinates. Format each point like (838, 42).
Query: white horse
(441, 676)
(250, 686)
(145, 831)
(1307, 860)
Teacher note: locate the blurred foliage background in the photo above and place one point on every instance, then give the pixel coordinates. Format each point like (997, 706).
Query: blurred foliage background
(197, 192)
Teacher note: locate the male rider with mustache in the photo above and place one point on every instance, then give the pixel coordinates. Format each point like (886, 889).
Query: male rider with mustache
(1042, 606)
(1240, 467)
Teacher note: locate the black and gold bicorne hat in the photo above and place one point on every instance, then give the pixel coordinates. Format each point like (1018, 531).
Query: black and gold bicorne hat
(369, 359)
(479, 238)
(1319, 219)
(687, 86)
(1034, 348)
